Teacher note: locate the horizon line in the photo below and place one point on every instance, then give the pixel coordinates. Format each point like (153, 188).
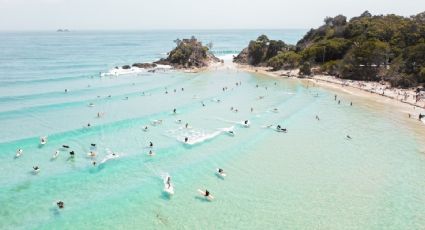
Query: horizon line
(134, 30)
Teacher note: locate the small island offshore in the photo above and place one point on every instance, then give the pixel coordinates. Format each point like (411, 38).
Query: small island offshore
(189, 55)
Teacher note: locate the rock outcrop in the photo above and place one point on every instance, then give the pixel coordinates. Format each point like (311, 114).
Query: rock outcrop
(189, 53)
(144, 65)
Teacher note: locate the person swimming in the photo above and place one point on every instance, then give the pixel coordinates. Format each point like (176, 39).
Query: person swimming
(93, 163)
(146, 128)
(72, 153)
(348, 137)
(65, 146)
(207, 193)
(220, 170)
(151, 153)
(60, 204)
(186, 139)
(36, 168)
(19, 153)
(150, 144)
(246, 122)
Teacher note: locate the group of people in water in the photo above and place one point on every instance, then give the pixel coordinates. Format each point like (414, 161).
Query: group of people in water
(220, 172)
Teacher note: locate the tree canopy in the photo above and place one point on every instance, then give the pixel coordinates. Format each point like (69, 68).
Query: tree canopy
(367, 47)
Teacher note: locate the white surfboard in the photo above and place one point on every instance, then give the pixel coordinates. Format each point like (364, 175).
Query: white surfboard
(209, 197)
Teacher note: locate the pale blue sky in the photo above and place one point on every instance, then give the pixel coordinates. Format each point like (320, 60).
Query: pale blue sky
(187, 14)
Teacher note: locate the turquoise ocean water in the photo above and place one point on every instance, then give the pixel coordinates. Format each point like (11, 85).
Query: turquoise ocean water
(311, 177)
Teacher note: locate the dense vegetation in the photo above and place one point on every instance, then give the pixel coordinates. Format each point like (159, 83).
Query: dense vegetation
(372, 48)
(189, 53)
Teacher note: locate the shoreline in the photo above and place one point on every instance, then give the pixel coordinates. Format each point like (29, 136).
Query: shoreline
(403, 99)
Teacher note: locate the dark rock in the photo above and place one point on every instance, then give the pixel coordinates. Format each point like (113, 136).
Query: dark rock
(126, 67)
(145, 65)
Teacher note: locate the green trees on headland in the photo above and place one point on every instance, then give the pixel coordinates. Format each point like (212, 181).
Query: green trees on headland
(372, 48)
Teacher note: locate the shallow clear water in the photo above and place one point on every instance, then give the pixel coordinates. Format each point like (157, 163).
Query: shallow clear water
(309, 178)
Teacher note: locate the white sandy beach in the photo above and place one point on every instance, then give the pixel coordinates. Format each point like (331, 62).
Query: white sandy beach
(402, 99)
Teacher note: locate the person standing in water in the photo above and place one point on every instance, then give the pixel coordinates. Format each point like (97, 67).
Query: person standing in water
(150, 144)
(169, 182)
